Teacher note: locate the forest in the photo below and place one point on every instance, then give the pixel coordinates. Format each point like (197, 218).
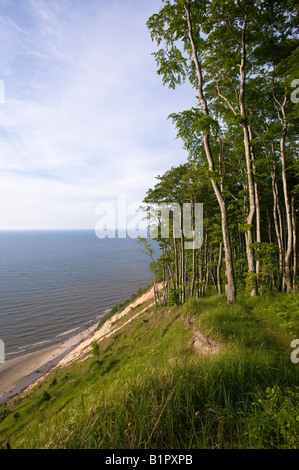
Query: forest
(241, 140)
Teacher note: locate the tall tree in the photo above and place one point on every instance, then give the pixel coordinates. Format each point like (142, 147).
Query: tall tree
(173, 24)
(221, 48)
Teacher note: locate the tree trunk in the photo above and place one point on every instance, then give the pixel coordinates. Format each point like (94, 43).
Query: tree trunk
(219, 269)
(182, 269)
(269, 225)
(176, 264)
(155, 293)
(277, 228)
(272, 278)
(193, 272)
(231, 289)
(200, 274)
(193, 255)
(206, 264)
(247, 147)
(257, 202)
(288, 252)
(294, 243)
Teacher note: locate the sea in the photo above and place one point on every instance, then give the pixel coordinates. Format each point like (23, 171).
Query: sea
(54, 284)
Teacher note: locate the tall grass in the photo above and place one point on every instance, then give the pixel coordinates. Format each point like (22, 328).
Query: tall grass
(150, 390)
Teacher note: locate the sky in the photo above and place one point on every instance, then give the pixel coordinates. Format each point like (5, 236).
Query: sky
(83, 116)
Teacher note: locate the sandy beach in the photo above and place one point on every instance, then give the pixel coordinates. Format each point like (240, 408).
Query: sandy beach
(20, 373)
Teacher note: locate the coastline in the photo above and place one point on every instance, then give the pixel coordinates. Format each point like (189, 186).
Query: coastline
(18, 373)
(21, 373)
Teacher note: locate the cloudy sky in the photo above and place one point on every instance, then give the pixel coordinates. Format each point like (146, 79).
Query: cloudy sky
(85, 114)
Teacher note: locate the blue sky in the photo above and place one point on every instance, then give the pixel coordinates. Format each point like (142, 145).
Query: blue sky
(85, 114)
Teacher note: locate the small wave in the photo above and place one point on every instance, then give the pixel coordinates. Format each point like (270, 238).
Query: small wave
(41, 342)
(67, 332)
(30, 346)
(27, 347)
(101, 315)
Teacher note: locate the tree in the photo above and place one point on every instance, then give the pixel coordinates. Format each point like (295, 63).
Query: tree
(174, 24)
(221, 49)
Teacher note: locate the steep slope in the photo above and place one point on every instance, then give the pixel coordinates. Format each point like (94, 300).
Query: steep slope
(199, 375)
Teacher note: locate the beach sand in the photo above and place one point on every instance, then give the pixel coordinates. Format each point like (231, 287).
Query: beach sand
(18, 373)
(21, 373)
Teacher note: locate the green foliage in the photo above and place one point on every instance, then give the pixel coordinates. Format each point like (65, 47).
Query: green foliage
(95, 349)
(267, 255)
(46, 397)
(151, 389)
(174, 296)
(202, 43)
(275, 420)
(54, 382)
(4, 412)
(250, 282)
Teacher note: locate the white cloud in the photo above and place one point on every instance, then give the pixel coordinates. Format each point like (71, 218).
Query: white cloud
(85, 113)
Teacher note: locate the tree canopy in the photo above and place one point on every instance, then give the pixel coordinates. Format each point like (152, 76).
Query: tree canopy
(241, 139)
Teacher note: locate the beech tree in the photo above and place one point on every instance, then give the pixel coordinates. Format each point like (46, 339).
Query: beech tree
(221, 49)
(184, 272)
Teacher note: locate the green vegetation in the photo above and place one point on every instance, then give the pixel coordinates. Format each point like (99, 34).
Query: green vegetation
(121, 305)
(149, 388)
(148, 385)
(241, 139)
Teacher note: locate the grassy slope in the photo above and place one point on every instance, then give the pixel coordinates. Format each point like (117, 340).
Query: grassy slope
(148, 389)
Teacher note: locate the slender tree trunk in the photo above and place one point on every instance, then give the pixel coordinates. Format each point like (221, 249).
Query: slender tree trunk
(294, 243)
(258, 222)
(289, 245)
(288, 254)
(213, 277)
(257, 201)
(200, 274)
(176, 264)
(272, 278)
(206, 264)
(182, 269)
(193, 272)
(164, 286)
(269, 225)
(193, 255)
(247, 147)
(155, 293)
(231, 287)
(277, 228)
(219, 268)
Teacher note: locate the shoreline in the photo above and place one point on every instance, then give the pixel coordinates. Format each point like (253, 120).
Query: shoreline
(21, 373)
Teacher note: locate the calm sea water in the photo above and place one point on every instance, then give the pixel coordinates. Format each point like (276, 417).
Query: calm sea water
(54, 284)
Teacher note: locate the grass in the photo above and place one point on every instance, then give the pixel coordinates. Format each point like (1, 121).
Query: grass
(121, 306)
(145, 388)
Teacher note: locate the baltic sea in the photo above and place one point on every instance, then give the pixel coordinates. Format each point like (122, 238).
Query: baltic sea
(54, 284)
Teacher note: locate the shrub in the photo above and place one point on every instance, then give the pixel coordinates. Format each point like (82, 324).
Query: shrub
(4, 412)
